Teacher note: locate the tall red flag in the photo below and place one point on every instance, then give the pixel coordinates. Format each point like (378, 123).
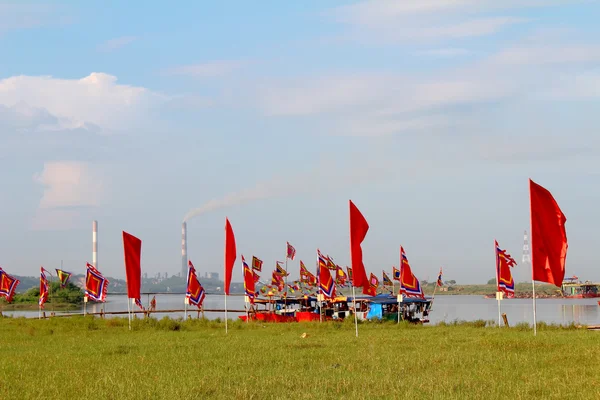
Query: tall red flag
(358, 231)
(133, 249)
(230, 254)
(548, 237)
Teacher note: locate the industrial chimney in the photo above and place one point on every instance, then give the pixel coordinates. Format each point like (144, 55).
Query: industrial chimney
(95, 244)
(184, 258)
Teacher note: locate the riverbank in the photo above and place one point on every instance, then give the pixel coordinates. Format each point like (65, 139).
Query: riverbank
(34, 307)
(522, 290)
(196, 359)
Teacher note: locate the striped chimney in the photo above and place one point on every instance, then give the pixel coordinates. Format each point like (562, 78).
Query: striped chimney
(184, 258)
(95, 243)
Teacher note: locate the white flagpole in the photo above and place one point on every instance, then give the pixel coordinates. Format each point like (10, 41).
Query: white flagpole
(129, 312)
(399, 305)
(531, 260)
(499, 298)
(435, 285)
(286, 289)
(355, 315)
(319, 289)
(226, 314)
(498, 293)
(534, 316)
(246, 298)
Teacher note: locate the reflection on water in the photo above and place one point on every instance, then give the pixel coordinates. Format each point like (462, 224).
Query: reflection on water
(445, 308)
(558, 311)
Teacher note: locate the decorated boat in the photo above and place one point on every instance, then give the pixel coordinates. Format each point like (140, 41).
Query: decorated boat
(310, 308)
(573, 289)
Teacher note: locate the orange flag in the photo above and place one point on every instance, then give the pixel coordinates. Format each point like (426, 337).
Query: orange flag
(548, 237)
(230, 254)
(358, 231)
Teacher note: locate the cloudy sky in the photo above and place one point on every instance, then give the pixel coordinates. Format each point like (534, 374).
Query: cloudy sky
(430, 115)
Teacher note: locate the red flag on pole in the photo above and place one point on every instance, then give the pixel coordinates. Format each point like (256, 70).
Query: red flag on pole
(133, 249)
(358, 231)
(230, 254)
(548, 237)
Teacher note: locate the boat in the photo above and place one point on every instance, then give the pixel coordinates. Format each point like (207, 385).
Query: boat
(580, 290)
(309, 308)
(387, 307)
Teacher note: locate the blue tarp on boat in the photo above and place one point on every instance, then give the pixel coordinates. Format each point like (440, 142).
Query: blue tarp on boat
(375, 311)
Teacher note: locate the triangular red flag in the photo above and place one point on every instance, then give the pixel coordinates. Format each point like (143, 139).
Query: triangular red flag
(548, 237)
(132, 247)
(230, 254)
(358, 231)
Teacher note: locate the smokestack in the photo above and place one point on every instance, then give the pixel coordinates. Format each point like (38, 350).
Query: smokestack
(184, 258)
(95, 244)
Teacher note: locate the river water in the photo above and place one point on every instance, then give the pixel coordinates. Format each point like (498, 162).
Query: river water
(445, 308)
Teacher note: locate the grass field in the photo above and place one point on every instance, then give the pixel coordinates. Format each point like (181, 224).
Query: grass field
(101, 359)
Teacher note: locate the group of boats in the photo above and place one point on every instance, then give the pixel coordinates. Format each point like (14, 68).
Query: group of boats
(313, 308)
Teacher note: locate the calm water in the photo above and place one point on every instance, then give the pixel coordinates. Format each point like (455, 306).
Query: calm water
(445, 308)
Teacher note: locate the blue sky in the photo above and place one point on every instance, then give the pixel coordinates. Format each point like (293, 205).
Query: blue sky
(431, 116)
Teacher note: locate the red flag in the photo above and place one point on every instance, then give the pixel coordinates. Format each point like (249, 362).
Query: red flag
(230, 254)
(548, 237)
(133, 249)
(249, 281)
(43, 287)
(358, 231)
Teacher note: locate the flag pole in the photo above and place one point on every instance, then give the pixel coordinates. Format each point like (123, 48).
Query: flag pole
(498, 293)
(355, 315)
(531, 260)
(499, 298)
(319, 289)
(51, 291)
(129, 311)
(534, 316)
(399, 303)
(285, 289)
(225, 314)
(435, 285)
(245, 296)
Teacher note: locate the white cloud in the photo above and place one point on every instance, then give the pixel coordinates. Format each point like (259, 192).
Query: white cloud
(96, 99)
(579, 86)
(325, 94)
(548, 54)
(117, 43)
(70, 184)
(376, 125)
(383, 94)
(16, 16)
(208, 69)
(376, 12)
(447, 52)
(430, 30)
(393, 21)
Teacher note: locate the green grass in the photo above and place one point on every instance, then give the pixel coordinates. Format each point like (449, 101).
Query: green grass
(168, 359)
